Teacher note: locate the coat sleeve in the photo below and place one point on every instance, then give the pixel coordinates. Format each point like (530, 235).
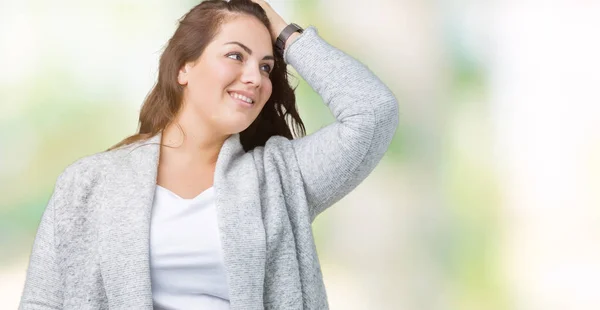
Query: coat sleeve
(43, 285)
(336, 158)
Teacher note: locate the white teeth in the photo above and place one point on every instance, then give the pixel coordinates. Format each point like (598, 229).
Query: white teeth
(242, 97)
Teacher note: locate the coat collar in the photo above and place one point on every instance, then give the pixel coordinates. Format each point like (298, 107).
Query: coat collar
(126, 210)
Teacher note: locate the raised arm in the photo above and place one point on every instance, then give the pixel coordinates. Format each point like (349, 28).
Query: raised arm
(336, 158)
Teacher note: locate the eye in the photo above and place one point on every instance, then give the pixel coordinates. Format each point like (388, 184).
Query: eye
(268, 70)
(235, 54)
(268, 67)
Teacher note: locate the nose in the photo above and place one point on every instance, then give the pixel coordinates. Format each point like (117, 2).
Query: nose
(251, 75)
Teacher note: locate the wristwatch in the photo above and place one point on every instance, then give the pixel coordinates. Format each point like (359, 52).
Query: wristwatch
(285, 34)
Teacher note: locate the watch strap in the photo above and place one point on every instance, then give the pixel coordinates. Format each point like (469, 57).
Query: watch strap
(285, 34)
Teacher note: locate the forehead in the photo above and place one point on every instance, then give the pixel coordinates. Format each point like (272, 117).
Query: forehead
(247, 30)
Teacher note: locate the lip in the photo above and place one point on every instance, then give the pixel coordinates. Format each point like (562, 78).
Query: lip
(244, 93)
(241, 102)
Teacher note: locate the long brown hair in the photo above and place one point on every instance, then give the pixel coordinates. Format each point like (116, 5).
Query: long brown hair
(195, 31)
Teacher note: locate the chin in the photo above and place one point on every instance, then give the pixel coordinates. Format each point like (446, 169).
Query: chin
(236, 128)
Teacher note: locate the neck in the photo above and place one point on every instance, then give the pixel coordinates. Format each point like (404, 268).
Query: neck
(190, 145)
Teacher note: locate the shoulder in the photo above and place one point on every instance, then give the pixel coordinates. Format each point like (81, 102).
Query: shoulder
(276, 154)
(88, 177)
(275, 145)
(94, 166)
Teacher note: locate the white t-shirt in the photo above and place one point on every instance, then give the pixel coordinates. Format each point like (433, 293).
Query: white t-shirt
(186, 259)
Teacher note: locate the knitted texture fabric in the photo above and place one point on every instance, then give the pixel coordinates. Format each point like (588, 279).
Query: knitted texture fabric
(91, 250)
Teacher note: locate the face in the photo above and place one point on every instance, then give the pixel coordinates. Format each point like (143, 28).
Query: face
(237, 62)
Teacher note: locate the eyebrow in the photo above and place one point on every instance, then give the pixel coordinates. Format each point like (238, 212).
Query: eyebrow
(249, 51)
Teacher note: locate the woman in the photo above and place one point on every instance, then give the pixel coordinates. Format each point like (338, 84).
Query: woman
(210, 205)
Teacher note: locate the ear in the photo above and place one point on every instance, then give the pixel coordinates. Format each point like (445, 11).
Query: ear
(182, 77)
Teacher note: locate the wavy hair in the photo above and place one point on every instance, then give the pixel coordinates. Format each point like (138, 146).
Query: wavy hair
(196, 29)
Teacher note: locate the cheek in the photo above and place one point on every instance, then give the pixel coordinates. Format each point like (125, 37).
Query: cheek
(222, 74)
(209, 83)
(267, 89)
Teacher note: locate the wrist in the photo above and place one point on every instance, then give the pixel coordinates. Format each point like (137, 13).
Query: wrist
(278, 28)
(286, 36)
(291, 39)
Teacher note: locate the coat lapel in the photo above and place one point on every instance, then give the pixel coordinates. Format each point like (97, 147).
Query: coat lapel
(124, 225)
(124, 228)
(241, 225)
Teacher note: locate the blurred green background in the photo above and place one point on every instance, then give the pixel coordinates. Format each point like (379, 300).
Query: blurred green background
(487, 198)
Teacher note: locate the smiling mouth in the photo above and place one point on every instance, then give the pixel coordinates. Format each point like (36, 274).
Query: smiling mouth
(243, 98)
(241, 102)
